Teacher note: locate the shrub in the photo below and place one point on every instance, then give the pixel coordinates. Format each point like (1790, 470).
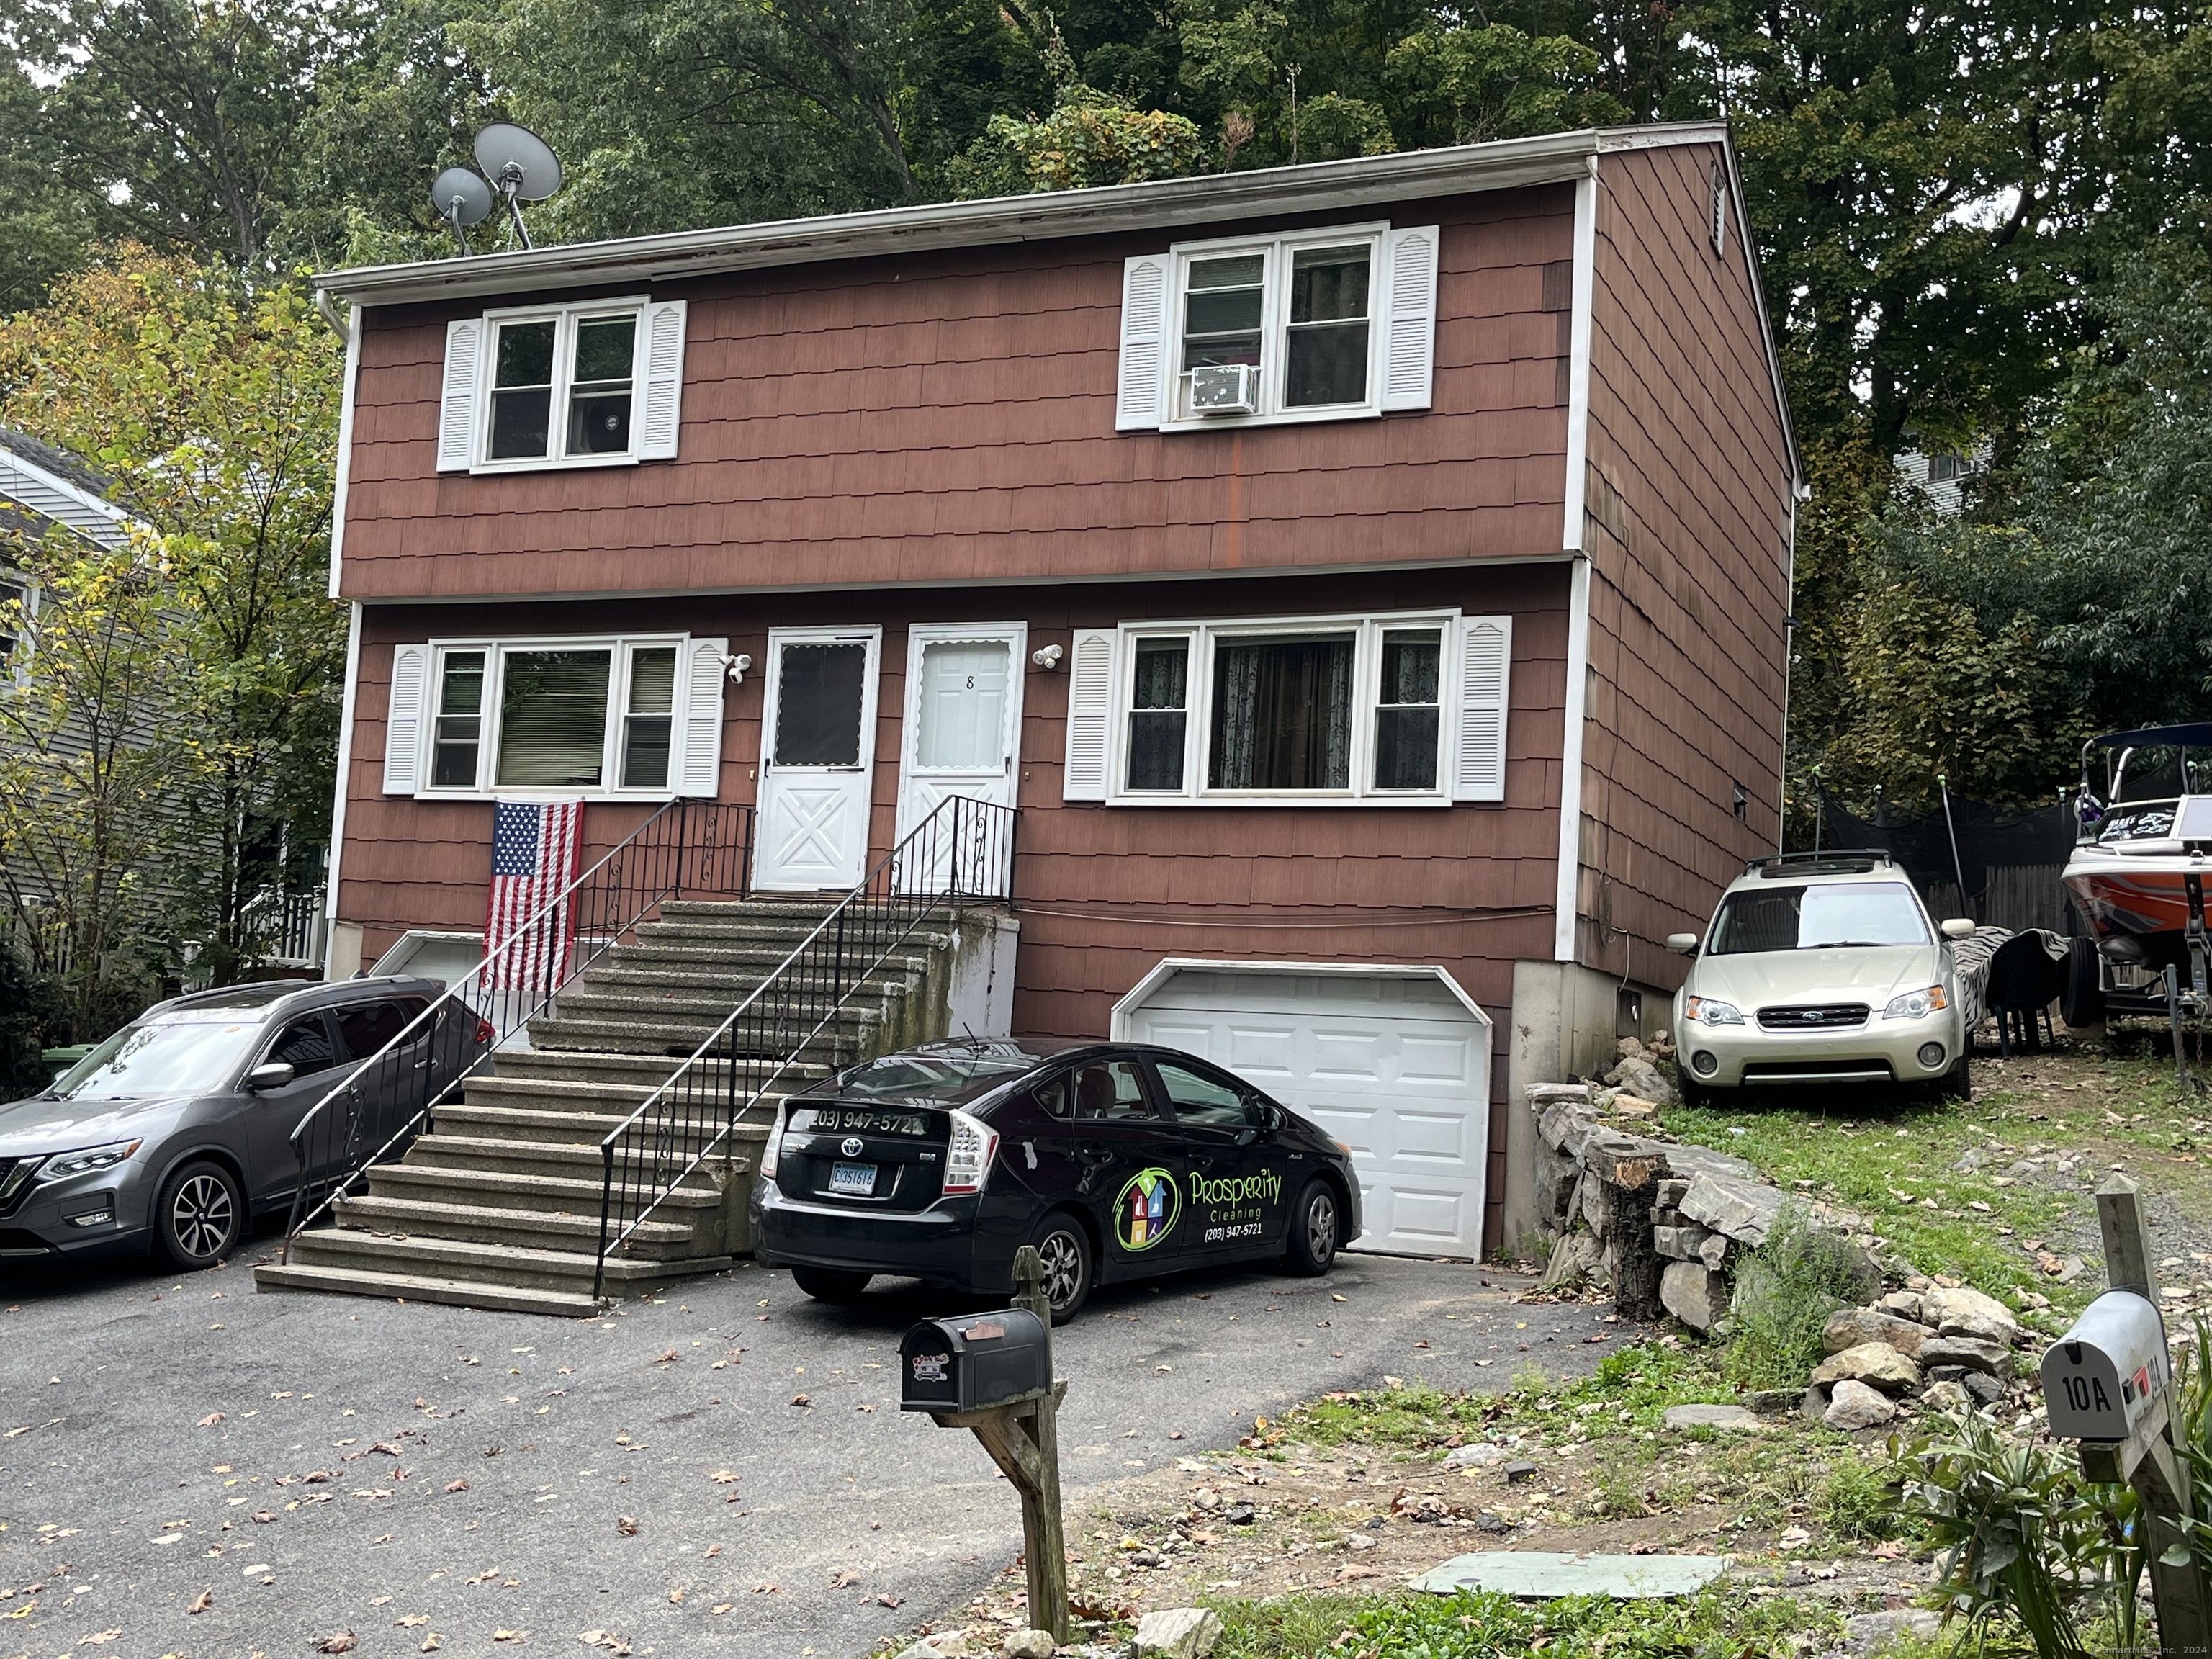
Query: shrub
(1783, 1295)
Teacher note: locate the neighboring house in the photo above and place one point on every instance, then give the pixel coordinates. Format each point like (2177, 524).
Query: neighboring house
(1941, 476)
(1370, 739)
(41, 487)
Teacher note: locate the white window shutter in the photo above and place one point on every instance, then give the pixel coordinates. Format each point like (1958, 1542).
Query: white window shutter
(402, 721)
(661, 380)
(1089, 714)
(1486, 658)
(1141, 401)
(457, 402)
(1409, 323)
(701, 775)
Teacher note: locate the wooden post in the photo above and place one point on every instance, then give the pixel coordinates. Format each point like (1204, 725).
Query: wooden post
(1044, 1539)
(2158, 1468)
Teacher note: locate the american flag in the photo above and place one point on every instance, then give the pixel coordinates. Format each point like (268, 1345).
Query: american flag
(535, 847)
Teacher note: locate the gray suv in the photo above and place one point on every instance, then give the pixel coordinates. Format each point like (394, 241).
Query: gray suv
(177, 1131)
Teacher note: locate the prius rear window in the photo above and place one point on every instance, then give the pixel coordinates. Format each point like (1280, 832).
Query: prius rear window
(1825, 917)
(950, 1078)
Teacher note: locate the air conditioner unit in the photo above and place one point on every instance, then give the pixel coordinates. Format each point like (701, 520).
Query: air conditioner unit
(1225, 389)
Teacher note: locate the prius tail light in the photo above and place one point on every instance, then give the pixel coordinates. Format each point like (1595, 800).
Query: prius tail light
(967, 1155)
(772, 1145)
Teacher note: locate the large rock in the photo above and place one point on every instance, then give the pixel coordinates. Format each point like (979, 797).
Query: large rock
(1967, 1312)
(1847, 1327)
(1179, 1632)
(1742, 1209)
(1873, 1363)
(1686, 1161)
(1643, 1080)
(1867, 1633)
(1714, 1251)
(1680, 1243)
(1854, 1406)
(1574, 1257)
(1682, 1417)
(1692, 1294)
(1028, 1644)
(1905, 1304)
(1991, 1358)
(1946, 1397)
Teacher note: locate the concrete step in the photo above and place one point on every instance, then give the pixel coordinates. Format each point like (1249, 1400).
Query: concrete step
(473, 1262)
(838, 1045)
(706, 1009)
(579, 1161)
(539, 1229)
(643, 1071)
(727, 986)
(411, 1287)
(701, 955)
(487, 1117)
(507, 1189)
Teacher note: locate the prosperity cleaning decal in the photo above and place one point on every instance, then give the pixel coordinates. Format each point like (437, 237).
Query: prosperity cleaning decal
(1238, 1206)
(1146, 1210)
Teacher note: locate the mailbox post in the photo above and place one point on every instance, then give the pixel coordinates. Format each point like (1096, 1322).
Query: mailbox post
(2108, 1382)
(992, 1374)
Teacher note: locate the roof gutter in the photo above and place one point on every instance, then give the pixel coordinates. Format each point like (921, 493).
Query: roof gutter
(1549, 158)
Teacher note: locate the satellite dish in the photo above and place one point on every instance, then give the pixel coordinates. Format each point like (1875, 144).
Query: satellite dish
(518, 162)
(460, 198)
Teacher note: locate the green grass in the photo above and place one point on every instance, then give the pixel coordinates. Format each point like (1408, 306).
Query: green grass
(1721, 1623)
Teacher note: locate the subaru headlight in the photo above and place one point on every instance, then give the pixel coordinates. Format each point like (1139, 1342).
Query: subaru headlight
(1706, 1011)
(63, 1165)
(1916, 1004)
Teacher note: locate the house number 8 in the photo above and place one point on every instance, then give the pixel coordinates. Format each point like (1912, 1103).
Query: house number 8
(971, 683)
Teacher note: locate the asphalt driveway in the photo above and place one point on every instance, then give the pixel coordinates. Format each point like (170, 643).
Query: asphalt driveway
(306, 1465)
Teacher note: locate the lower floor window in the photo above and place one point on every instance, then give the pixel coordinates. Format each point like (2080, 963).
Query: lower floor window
(583, 716)
(1282, 713)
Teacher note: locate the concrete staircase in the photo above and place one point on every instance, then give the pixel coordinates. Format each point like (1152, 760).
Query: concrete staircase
(496, 1203)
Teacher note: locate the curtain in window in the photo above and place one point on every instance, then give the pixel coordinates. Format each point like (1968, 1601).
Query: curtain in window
(1282, 713)
(553, 719)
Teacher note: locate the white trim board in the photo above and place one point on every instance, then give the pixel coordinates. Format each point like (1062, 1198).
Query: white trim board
(1570, 763)
(1580, 325)
(1167, 967)
(346, 457)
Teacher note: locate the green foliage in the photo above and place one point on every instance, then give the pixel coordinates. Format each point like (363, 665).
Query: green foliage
(1717, 1624)
(1088, 139)
(1784, 1292)
(26, 1012)
(2022, 1535)
(213, 411)
(1854, 1502)
(1463, 85)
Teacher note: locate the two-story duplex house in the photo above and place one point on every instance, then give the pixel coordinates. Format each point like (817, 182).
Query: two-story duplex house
(1372, 715)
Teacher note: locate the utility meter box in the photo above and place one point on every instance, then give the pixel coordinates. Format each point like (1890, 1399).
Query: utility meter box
(972, 1361)
(2101, 1378)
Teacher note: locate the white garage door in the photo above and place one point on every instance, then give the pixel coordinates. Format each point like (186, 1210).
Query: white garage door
(1396, 1066)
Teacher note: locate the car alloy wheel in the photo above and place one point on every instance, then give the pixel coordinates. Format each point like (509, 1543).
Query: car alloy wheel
(200, 1217)
(1321, 1228)
(1065, 1258)
(1312, 1243)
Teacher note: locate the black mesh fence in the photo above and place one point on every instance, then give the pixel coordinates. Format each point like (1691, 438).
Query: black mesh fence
(2005, 871)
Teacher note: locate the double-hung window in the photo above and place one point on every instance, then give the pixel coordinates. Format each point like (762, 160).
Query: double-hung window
(598, 716)
(596, 384)
(1406, 710)
(1318, 325)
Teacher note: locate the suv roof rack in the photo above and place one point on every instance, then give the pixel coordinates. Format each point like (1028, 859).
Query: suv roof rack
(1834, 861)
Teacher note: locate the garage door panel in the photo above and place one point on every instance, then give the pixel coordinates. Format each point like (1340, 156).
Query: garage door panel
(1394, 1067)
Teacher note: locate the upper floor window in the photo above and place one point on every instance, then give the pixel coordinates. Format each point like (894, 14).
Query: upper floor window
(15, 617)
(1314, 325)
(590, 716)
(575, 386)
(1292, 710)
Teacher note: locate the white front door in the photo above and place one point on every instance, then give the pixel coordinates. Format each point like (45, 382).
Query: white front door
(962, 737)
(1395, 1066)
(818, 757)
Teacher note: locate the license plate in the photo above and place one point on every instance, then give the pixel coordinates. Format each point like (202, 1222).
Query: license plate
(852, 1180)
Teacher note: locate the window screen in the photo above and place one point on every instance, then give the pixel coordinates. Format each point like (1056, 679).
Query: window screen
(1221, 310)
(1407, 709)
(648, 724)
(522, 389)
(1159, 713)
(553, 719)
(1282, 713)
(460, 721)
(1327, 342)
(818, 704)
(599, 393)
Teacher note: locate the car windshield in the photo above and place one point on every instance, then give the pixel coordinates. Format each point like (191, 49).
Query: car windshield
(1818, 918)
(169, 1057)
(951, 1077)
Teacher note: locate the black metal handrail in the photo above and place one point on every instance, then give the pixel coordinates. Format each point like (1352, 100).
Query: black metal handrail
(963, 850)
(373, 1112)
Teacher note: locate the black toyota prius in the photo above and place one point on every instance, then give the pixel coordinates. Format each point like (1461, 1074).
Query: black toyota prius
(1117, 1160)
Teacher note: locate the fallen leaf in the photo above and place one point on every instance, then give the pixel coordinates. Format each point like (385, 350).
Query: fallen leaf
(432, 1642)
(800, 1399)
(887, 1600)
(843, 1578)
(457, 1485)
(201, 1602)
(713, 1550)
(208, 1421)
(626, 1525)
(722, 1477)
(676, 1595)
(105, 1637)
(412, 1619)
(766, 1588)
(722, 1607)
(666, 1357)
(340, 1641)
(265, 1516)
(509, 1635)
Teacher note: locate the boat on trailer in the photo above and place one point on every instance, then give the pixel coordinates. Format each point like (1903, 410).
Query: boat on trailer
(2137, 873)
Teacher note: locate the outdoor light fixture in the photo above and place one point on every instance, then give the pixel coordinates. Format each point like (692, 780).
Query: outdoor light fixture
(1047, 657)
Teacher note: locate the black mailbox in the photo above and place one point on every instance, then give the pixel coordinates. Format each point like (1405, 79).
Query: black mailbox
(972, 1361)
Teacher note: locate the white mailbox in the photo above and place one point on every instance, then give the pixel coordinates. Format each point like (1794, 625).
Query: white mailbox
(2102, 1376)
